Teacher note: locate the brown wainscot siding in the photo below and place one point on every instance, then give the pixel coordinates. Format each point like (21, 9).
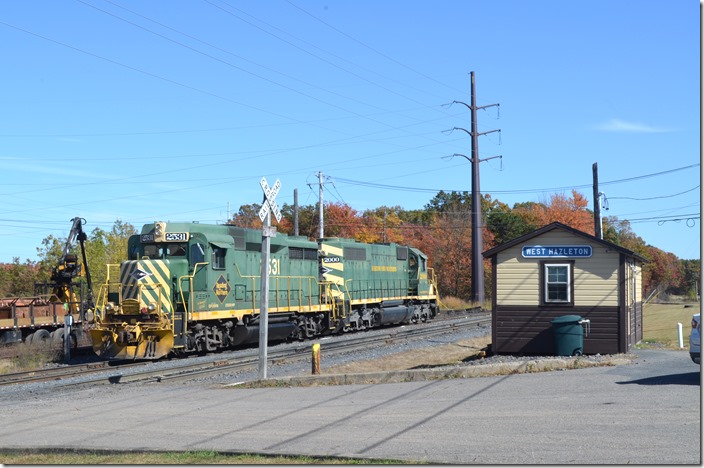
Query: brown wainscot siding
(528, 330)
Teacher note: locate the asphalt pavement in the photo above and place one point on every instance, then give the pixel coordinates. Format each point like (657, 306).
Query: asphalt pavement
(646, 412)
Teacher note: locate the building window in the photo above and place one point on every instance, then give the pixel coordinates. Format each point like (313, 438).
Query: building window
(557, 283)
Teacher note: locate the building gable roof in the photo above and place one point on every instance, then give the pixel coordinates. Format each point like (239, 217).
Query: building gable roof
(551, 227)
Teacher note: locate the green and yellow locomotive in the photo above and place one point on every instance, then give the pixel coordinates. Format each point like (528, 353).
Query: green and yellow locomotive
(191, 288)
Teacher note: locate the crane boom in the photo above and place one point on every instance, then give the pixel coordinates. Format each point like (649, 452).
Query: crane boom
(68, 267)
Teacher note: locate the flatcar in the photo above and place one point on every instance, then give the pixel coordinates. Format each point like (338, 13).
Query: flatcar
(194, 288)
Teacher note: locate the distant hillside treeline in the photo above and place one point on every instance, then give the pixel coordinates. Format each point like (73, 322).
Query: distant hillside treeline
(442, 229)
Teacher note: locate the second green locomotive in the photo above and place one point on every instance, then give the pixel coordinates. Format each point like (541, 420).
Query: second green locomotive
(190, 288)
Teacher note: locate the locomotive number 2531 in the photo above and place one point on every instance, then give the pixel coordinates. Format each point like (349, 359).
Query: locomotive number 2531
(176, 236)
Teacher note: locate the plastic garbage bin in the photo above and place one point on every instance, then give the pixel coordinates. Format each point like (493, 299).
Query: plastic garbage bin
(569, 335)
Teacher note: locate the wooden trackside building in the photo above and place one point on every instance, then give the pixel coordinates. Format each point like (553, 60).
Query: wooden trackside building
(558, 270)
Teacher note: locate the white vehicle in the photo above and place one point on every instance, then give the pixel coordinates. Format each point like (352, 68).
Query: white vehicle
(695, 339)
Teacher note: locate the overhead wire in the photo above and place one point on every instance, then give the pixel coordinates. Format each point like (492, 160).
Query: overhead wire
(363, 44)
(514, 191)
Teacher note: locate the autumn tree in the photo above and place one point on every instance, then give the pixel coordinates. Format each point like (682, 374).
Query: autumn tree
(340, 220)
(570, 211)
(18, 279)
(662, 271)
(247, 217)
(106, 247)
(691, 278)
(507, 225)
(619, 232)
(102, 247)
(381, 224)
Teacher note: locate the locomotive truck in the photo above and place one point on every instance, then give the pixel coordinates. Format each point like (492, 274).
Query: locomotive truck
(195, 288)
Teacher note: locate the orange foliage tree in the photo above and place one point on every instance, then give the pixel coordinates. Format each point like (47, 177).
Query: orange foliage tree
(571, 211)
(443, 231)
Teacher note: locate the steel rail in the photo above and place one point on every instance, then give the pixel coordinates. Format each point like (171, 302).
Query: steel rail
(300, 352)
(243, 361)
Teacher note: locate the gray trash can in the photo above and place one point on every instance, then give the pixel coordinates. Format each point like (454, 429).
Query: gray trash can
(569, 335)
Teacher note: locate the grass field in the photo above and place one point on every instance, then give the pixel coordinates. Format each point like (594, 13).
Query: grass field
(660, 324)
(86, 457)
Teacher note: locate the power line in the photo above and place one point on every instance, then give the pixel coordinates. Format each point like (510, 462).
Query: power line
(655, 198)
(369, 47)
(532, 190)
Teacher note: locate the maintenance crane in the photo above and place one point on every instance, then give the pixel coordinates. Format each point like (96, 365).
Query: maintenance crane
(68, 268)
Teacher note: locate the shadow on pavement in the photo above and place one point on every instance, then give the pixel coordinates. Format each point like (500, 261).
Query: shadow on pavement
(688, 378)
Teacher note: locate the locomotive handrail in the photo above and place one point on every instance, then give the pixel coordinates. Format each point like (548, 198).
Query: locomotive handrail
(187, 307)
(104, 290)
(308, 279)
(432, 279)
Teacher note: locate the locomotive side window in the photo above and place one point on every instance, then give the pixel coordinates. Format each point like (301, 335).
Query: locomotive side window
(401, 253)
(197, 254)
(218, 258)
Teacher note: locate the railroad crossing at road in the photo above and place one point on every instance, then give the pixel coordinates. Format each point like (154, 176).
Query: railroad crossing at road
(269, 203)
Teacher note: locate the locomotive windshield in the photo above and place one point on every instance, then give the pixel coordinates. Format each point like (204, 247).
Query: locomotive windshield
(164, 251)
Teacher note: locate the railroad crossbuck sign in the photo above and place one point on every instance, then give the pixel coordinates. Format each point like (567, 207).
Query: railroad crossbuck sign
(269, 200)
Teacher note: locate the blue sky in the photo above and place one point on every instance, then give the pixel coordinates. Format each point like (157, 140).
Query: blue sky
(174, 111)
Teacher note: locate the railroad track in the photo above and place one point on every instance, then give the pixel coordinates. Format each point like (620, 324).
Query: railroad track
(141, 371)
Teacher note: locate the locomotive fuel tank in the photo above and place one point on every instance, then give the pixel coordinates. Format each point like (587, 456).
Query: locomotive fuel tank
(250, 334)
(394, 312)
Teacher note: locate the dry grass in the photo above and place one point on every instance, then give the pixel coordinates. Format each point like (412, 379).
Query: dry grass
(464, 350)
(22, 357)
(68, 457)
(454, 303)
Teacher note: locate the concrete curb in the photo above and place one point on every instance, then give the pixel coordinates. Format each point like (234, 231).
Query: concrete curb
(416, 375)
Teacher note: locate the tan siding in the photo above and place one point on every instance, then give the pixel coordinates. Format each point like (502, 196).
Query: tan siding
(517, 279)
(595, 278)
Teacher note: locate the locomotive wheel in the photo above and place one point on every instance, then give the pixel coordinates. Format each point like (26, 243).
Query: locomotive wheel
(309, 327)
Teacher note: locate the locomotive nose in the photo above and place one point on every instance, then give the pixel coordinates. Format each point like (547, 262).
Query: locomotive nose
(152, 344)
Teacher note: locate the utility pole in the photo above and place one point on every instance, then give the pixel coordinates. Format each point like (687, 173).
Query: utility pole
(477, 223)
(597, 201)
(295, 212)
(320, 205)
